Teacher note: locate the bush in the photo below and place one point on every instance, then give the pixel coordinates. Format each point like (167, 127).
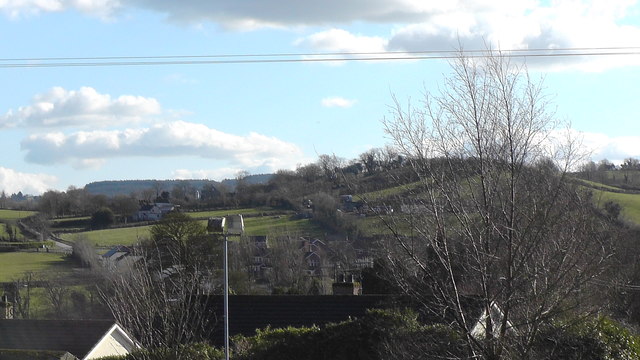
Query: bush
(196, 351)
(102, 218)
(595, 339)
(380, 334)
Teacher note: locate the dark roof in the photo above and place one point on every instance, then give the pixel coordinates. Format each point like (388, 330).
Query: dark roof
(75, 336)
(250, 312)
(35, 355)
(116, 249)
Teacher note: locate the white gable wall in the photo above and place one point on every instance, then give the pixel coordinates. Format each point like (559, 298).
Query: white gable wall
(115, 342)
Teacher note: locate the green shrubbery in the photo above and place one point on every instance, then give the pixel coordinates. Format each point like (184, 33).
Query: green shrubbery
(593, 339)
(196, 351)
(380, 334)
(393, 334)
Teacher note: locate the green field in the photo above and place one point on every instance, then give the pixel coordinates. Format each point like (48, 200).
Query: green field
(630, 203)
(593, 184)
(271, 225)
(221, 213)
(386, 193)
(14, 264)
(14, 214)
(111, 237)
(255, 225)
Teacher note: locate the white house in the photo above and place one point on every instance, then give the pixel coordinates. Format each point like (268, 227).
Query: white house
(154, 212)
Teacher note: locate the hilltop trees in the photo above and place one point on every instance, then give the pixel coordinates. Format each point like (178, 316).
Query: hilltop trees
(495, 225)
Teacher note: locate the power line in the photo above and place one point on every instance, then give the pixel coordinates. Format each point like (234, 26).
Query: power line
(306, 57)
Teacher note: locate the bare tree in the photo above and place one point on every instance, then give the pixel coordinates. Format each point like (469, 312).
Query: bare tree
(161, 307)
(20, 294)
(494, 224)
(156, 292)
(56, 292)
(288, 266)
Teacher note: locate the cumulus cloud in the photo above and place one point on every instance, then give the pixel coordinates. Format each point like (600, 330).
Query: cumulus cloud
(177, 138)
(505, 25)
(615, 149)
(80, 108)
(252, 14)
(12, 181)
(418, 25)
(337, 102)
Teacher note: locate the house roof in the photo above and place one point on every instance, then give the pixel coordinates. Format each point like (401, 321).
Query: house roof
(75, 336)
(250, 312)
(116, 249)
(146, 207)
(35, 355)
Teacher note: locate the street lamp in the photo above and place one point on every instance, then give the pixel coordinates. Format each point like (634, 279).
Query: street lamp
(234, 227)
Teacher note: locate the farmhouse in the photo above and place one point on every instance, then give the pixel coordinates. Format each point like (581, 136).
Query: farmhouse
(154, 212)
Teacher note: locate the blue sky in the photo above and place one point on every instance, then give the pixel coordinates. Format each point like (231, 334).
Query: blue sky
(62, 126)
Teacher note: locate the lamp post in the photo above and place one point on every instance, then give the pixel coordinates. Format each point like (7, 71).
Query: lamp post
(235, 226)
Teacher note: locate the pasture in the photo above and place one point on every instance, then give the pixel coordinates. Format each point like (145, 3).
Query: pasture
(111, 237)
(14, 264)
(12, 215)
(630, 203)
(254, 225)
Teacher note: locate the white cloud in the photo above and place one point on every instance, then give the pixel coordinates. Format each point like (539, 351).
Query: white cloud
(506, 25)
(12, 181)
(172, 139)
(337, 102)
(213, 174)
(338, 40)
(418, 25)
(80, 108)
(18, 8)
(615, 149)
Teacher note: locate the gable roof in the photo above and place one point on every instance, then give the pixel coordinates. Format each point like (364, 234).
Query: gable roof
(78, 337)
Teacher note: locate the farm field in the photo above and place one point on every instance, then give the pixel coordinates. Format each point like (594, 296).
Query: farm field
(272, 225)
(221, 213)
(254, 225)
(594, 184)
(14, 264)
(111, 237)
(389, 192)
(14, 214)
(630, 203)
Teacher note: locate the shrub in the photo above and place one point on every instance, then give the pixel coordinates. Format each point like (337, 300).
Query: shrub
(195, 351)
(380, 334)
(594, 339)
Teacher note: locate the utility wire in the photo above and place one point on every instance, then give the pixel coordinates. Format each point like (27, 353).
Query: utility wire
(306, 57)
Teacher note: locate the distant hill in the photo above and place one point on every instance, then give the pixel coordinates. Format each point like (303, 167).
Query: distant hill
(127, 187)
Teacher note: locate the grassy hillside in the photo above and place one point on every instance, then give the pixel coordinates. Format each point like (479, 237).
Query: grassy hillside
(630, 203)
(14, 264)
(629, 200)
(255, 224)
(111, 237)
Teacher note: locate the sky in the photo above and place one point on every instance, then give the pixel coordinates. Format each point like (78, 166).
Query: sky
(205, 98)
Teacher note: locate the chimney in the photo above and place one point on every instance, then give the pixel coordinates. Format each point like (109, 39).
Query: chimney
(346, 286)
